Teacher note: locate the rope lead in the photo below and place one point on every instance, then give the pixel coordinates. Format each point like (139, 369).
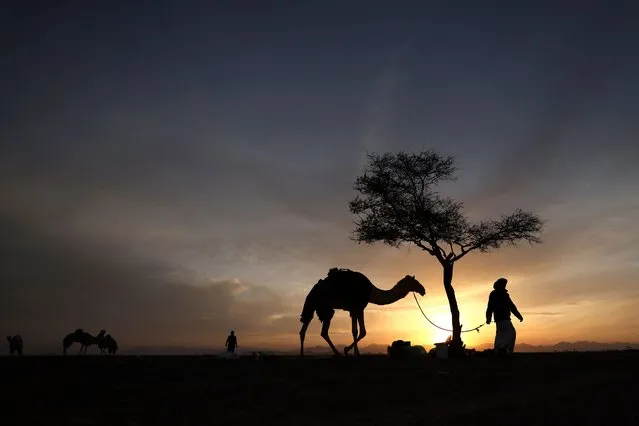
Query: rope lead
(441, 328)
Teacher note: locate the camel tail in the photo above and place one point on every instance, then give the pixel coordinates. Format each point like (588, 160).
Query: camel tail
(309, 306)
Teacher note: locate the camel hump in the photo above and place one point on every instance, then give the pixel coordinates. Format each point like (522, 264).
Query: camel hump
(337, 271)
(346, 275)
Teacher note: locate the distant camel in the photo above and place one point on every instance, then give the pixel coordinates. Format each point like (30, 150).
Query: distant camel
(15, 344)
(101, 342)
(108, 343)
(80, 336)
(350, 291)
(112, 345)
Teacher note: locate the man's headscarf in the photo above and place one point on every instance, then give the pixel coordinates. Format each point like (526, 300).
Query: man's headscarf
(500, 284)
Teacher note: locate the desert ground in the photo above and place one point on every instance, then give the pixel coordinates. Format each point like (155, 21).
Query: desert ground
(528, 389)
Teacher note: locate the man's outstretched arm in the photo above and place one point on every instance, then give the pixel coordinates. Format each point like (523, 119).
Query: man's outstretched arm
(515, 312)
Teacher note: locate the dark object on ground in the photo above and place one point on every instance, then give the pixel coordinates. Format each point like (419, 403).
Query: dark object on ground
(263, 356)
(486, 353)
(401, 349)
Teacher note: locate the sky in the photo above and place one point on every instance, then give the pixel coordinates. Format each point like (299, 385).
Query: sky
(170, 171)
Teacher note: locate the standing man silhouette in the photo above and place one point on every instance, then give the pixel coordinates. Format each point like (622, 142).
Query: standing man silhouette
(231, 342)
(500, 305)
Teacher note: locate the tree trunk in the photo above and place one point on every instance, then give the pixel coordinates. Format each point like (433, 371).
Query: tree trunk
(456, 348)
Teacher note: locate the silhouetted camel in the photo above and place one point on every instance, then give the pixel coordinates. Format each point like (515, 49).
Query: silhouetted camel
(15, 344)
(102, 344)
(112, 344)
(350, 291)
(80, 336)
(109, 344)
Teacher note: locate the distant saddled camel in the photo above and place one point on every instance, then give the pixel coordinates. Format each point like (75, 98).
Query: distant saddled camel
(350, 291)
(83, 338)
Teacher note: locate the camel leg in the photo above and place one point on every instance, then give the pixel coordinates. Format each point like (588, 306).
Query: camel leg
(362, 326)
(362, 333)
(354, 330)
(325, 326)
(302, 336)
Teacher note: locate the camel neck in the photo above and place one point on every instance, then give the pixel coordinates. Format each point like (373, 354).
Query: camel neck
(386, 297)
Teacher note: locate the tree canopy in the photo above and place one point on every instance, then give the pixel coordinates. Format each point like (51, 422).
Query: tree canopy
(398, 203)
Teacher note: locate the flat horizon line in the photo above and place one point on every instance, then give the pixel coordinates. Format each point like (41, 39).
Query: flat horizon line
(285, 355)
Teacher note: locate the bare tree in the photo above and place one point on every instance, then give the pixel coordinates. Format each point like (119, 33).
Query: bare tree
(398, 204)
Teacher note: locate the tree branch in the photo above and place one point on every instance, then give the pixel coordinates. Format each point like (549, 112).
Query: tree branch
(440, 254)
(463, 252)
(508, 230)
(452, 250)
(423, 247)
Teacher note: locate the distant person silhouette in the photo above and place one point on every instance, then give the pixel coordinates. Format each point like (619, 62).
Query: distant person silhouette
(500, 305)
(231, 342)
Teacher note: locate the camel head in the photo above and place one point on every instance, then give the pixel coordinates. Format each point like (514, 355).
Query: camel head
(9, 339)
(409, 283)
